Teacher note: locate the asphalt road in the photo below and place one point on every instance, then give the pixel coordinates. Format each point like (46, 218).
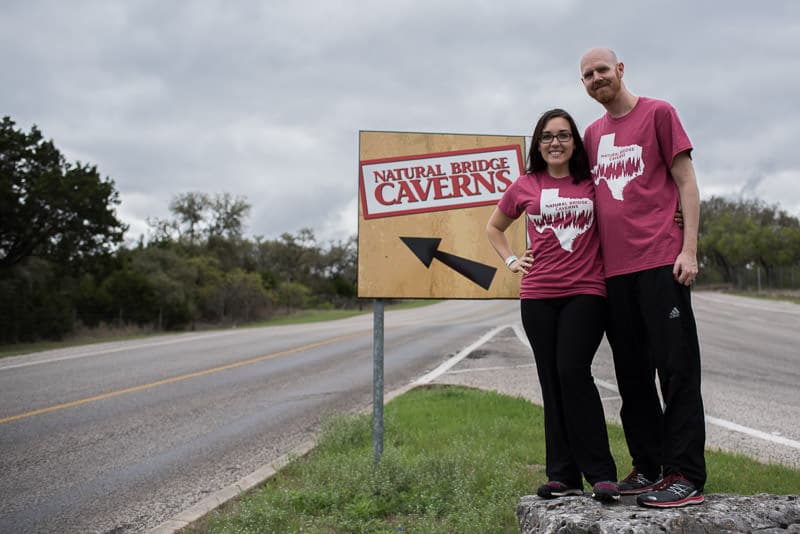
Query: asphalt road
(119, 437)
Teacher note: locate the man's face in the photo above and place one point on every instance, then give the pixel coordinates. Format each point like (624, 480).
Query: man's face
(601, 76)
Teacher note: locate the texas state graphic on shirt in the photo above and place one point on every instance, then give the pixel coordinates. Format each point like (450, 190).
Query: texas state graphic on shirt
(567, 217)
(617, 165)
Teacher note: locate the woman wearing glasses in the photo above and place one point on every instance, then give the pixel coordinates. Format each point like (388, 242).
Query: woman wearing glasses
(562, 302)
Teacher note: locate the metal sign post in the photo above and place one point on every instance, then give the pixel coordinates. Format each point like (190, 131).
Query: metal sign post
(377, 380)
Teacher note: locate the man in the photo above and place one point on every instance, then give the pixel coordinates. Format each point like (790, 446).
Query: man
(642, 171)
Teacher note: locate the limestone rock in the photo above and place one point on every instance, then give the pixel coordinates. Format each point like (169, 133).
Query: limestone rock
(720, 514)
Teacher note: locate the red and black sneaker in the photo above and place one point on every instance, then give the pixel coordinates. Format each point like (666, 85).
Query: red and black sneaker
(606, 491)
(636, 483)
(673, 491)
(554, 489)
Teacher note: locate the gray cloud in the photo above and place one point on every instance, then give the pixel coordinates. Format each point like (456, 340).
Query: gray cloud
(265, 99)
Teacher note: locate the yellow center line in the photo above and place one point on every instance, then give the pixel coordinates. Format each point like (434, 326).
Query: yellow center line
(174, 379)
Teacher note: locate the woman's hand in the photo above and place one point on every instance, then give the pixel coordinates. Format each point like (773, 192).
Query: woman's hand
(523, 264)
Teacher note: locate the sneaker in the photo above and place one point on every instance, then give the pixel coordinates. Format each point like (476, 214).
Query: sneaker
(554, 489)
(636, 483)
(673, 491)
(605, 491)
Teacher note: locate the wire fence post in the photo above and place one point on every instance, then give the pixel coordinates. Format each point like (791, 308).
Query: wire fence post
(758, 278)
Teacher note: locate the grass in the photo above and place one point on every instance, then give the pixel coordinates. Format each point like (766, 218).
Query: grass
(783, 296)
(313, 316)
(85, 339)
(455, 460)
(106, 334)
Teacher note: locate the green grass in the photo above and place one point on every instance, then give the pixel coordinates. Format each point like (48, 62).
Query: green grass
(455, 460)
(302, 316)
(785, 296)
(308, 316)
(26, 348)
(313, 316)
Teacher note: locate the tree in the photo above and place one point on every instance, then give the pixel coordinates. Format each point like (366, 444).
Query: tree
(174, 282)
(190, 210)
(290, 258)
(228, 215)
(738, 236)
(48, 207)
(328, 272)
(32, 303)
(245, 297)
(201, 220)
(339, 270)
(293, 295)
(132, 297)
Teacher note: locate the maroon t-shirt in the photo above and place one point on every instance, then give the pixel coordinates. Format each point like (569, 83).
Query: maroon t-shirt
(636, 196)
(562, 233)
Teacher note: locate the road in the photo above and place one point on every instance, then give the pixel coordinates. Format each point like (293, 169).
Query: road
(119, 437)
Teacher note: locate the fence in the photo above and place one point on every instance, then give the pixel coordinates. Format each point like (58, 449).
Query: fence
(754, 278)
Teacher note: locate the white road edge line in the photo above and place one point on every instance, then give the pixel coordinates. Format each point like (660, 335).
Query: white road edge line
(97, 352)
(483, 369)
(752, 432)
(442, 369)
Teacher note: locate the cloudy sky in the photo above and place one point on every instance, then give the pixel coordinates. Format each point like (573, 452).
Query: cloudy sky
(265, 99)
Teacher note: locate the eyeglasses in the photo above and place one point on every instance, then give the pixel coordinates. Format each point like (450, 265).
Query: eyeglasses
(546, 138)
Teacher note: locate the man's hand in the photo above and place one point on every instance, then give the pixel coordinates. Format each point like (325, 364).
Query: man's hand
(685, 269)
(678, 218)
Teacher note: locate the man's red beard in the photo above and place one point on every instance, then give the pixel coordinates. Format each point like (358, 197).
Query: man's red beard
(605, 97)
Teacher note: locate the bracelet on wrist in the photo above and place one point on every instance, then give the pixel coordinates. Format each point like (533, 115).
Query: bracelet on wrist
(511, 259)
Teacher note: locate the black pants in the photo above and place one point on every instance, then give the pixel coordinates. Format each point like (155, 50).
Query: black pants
(565, 334)
(652, 329)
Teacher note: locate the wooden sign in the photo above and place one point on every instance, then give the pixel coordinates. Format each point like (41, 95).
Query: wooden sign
(424, 201)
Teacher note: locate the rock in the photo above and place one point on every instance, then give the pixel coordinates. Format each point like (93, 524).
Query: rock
(720, 514)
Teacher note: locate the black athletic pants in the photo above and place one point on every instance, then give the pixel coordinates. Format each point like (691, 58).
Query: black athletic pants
(564, 334)
(652, 328)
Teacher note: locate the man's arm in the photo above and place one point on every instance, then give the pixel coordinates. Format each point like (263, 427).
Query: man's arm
(685, 268)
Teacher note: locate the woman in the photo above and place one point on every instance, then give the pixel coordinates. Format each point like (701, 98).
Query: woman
(562, 302)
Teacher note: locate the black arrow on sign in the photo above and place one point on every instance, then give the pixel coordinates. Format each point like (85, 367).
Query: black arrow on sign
(427, 248)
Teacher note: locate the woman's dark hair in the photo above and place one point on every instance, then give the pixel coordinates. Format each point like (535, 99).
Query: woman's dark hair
(578, 163)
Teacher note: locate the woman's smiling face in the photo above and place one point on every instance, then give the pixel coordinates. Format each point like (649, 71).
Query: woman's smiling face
(556, 152)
